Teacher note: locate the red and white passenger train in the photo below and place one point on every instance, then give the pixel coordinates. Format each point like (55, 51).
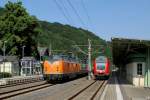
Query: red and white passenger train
(101, 67)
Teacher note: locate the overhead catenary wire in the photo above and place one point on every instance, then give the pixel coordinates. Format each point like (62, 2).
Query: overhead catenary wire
(67, 12)
(61, 10)
(86, 12)
(76, 13)
(79, 49)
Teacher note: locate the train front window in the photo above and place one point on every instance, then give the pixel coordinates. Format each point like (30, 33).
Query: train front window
(100, 66)
(101, 59)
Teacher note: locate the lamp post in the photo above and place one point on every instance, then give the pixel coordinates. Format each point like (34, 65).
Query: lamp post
(22, 57)
(4, 50)
(23, 50)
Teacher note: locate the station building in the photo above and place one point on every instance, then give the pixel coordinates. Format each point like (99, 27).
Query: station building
(10, 65)
(132, 57)
(30, 66)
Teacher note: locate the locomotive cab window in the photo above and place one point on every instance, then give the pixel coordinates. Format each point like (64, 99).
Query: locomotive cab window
(139, 69)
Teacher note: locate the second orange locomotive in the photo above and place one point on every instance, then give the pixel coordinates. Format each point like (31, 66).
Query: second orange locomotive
(60, 67)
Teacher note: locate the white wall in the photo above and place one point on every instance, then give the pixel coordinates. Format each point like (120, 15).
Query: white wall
(5, 67)
(137, 80)
(10, 68)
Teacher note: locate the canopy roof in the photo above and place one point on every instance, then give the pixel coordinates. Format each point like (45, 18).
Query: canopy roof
(122, 48)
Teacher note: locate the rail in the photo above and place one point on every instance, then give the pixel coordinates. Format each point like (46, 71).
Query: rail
(7, 82)
(17, 92)
(98, 89)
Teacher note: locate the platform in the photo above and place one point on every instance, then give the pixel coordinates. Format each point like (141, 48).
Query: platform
(120, 89)
(131, 92)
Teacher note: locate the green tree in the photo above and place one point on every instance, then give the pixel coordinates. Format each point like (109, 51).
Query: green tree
(18, 28)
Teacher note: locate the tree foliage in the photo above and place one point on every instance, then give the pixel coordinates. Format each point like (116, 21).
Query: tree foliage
(18, 28)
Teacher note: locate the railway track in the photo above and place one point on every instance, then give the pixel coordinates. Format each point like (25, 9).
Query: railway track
(17, 84)
(14, 81)
(90, 92)
(79, 90)
(17, 92)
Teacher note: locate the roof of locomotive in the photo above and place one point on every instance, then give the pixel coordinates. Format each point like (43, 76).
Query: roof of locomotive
(62, 57)
(101, 58)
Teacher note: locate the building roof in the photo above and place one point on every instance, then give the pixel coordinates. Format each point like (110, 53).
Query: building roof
(122, 48)
(28, 58)
(9, 58)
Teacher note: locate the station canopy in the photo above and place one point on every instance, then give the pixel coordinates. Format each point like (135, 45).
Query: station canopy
(122, 48)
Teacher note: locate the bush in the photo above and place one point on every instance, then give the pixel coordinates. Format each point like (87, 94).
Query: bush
(5, 75)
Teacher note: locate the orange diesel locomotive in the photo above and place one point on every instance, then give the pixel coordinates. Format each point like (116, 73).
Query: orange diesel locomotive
(60, 67)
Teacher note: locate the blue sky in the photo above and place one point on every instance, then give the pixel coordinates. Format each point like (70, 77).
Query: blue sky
(108, 18)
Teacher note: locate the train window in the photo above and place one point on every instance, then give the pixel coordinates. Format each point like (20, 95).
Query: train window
(100, 66)
(139, 69)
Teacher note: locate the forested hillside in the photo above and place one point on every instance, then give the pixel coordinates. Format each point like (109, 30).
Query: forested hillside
(1, 11)
(62, 38)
